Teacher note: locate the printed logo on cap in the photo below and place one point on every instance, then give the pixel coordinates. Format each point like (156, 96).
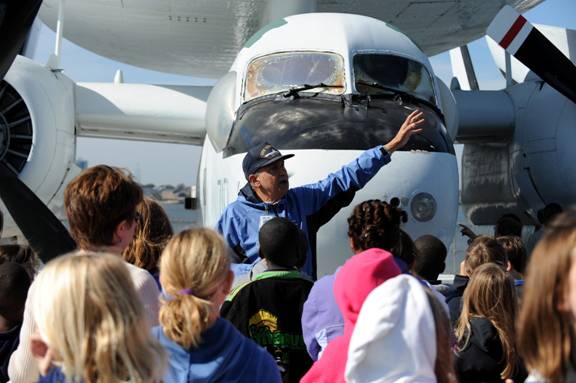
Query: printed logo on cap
(268, 151)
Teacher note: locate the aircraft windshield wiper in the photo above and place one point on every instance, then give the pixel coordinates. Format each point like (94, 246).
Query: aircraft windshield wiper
(295, 90)
(377, 85)
(400, 93)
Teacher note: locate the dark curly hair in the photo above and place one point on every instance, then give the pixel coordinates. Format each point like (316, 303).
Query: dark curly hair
(376, 223)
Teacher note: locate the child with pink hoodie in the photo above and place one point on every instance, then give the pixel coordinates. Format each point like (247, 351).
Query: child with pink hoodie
(355, 280)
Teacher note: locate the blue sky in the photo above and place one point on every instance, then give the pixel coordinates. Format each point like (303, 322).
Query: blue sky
(171, 163)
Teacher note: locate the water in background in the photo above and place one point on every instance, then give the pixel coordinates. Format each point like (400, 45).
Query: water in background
(182, 219)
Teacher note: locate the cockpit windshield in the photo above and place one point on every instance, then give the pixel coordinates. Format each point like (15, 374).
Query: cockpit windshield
(375, 72)
(282, 71)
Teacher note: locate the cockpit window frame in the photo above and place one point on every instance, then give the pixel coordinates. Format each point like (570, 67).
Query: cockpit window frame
(246, 69)
(397, 54)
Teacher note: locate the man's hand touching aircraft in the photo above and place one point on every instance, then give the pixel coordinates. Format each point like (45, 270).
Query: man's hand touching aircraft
(409, 127)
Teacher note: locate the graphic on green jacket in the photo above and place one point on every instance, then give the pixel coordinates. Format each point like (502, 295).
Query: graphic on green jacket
(263, 328)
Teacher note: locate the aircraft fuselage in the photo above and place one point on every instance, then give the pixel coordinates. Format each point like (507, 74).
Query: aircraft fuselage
(326, 98)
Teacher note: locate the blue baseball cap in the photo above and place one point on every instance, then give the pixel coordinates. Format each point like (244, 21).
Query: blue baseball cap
(260, 156)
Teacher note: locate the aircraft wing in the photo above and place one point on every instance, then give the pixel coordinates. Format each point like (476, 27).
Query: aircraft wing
(202, 38)
(159, 113)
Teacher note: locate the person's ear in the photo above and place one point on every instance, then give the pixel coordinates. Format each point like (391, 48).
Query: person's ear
(463, 269)
(253, 180)
(352, 244)
(508, 266)
(41, 352)
(38, 347)
(267, 264)
(122, 231)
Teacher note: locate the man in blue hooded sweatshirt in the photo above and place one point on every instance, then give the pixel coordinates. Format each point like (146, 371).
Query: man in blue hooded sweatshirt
(267, 194)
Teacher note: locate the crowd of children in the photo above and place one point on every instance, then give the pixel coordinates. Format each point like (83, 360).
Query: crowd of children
(137, 303)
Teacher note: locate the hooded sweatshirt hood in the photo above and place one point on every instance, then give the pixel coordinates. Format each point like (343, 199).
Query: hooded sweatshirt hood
(355, 280)
(224, 355)
(395, 336)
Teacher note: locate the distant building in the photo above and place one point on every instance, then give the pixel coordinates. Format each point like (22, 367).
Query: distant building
(168, 195)
(149, 190)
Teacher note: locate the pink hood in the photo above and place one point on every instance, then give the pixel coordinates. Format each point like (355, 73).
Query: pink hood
(361, 274)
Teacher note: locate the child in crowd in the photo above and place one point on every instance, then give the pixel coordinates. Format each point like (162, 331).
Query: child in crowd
(516, 254)
(480, 251)
(153, 231)
(268, 309)
(393, 341)
(373, 224)
(430, 260)
(545, 216)
(91, 325)
(405, 253)
(22, 255)
(485, 333)
(196, 277)
(354, 281)
(507, 224)
(376, 223)
(14, 284)
(546, 325)
(101, 209)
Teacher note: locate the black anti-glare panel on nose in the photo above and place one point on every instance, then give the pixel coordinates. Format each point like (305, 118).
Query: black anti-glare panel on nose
(332, 122)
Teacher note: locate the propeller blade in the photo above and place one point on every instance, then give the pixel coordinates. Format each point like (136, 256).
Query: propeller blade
(45, 233)
(522, 40)
(16, 18)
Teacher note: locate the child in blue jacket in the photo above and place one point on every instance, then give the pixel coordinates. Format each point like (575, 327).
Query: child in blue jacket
(196, 278)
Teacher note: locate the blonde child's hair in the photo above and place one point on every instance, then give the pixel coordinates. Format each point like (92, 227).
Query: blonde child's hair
(87, 310)
(545, 331)
(192, 267)
(484, 249)
(491, 294)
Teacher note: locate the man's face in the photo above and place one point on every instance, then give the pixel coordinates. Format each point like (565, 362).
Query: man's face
(271, 182)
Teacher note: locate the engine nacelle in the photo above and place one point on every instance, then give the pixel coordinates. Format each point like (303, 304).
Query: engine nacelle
(37, 126)
(530, 169)
(543, 154)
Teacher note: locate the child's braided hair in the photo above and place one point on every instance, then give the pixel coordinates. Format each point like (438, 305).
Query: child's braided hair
(376, 223)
